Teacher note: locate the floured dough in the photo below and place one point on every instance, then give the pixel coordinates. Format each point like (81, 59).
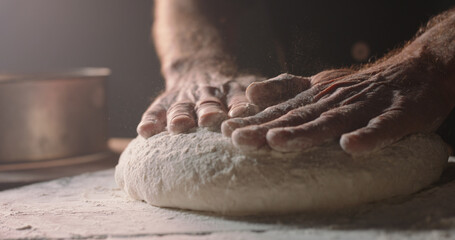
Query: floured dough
(203, 171)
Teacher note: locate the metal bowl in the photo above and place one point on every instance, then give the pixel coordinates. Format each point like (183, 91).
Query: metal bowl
(52, 116)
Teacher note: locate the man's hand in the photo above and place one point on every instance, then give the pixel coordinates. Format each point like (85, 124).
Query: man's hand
(195, 42)
(198, 98)
(412, 91)
(366, 109)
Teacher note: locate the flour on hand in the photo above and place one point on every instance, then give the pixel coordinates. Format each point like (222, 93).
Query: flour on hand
(202, 171)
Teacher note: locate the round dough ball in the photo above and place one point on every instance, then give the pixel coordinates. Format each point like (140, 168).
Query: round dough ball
(202, 171)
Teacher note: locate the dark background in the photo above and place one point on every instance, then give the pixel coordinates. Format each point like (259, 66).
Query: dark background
(48, 35)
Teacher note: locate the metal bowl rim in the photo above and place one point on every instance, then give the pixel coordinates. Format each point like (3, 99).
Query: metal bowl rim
(65, 74)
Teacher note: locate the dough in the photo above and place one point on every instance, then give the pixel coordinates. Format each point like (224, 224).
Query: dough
(201, 170)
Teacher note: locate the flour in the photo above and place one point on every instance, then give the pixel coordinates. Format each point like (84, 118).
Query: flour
(202, 171)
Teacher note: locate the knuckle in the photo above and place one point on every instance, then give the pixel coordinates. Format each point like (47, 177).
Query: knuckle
(299, 113)
(165, 99)
(270, 109)
(335, 117)
(209, 103)
(180, 107)
(342, 89)
(330, 114)
(285, 76)
(388, 118)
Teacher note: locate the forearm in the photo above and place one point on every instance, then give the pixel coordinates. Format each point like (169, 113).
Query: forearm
(435, 45)
(188, 36)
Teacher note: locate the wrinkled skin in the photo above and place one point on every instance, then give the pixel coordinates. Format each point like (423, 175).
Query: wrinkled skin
(365, 109)
(204, 84)
(411, 91)
(205, 101)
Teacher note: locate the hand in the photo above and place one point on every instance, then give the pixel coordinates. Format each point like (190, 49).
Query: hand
(366, 109)
(198, 98)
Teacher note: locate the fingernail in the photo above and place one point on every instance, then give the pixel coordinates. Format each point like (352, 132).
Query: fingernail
(281, 140)
(149, 128)
(144, 130)
(250, 139)
(227, 127)
(355, 145)
(181, 123)
(237, 111)
(144, 133)
(243, 110)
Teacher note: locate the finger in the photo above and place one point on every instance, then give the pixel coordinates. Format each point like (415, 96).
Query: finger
(276, 90)
(238, 104)
(241, 107)
(274, 112)
(269, 113)
(382, 130)
(227, 127)
(328, 126)
(343, 118)
(181, 117)
(253, 137)
(153, 120)
(209, 109)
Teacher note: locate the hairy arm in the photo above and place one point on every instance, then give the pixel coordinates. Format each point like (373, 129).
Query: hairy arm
(187, 36)
(435, 46)
(410, 91)
(204, 85)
